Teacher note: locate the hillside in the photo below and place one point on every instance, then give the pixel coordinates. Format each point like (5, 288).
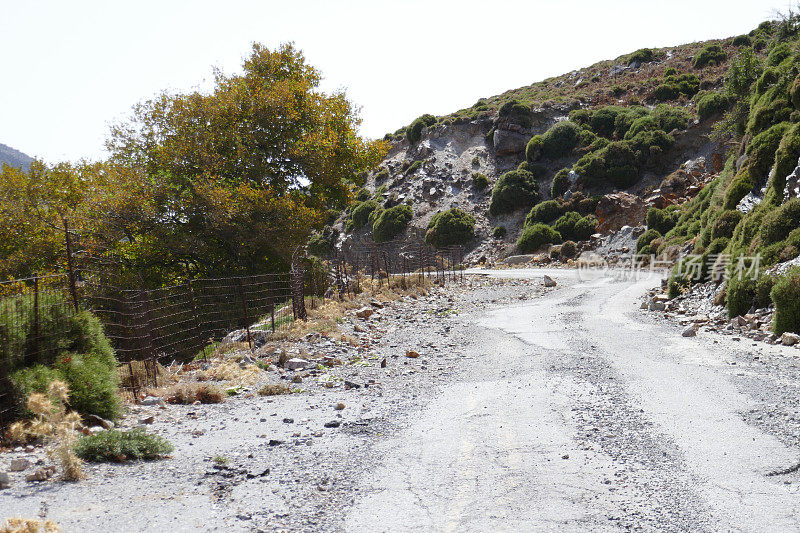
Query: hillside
(697, 144)
(14, 158)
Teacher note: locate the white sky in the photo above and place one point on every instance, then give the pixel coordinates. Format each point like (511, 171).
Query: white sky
(68, 68)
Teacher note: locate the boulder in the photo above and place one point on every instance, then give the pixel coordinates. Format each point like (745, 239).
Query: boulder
(549, 282)
(790, 339)
(19, 464)
(295, 364)
(620, 209)
(94, 420)
(690, 331)
(365, 312)
(153, 400)
(5, 480)
(507, 142)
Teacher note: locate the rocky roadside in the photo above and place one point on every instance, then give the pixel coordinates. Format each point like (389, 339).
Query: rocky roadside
(288, 462)
(696, 311)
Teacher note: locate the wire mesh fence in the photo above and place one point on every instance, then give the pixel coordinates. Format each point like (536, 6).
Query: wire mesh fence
(41, 317)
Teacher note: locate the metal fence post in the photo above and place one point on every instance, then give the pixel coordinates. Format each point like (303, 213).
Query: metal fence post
(70, 267)
(246, 313)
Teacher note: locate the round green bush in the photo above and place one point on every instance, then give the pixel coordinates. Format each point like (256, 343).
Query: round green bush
(533, 150)
(711, 104)
(646, 238)
(480, 181)
(786, 297)
(778, 54)
(560, 139)
(414, 131)
(391, 223)
(361, 213)
(560, 183)
(741, 40)
(725, 224)
(544, 212)
(514, 189)
(642, 55)
(71, 346)
(662, 220)
(499, 232)
(738, 189)
(573, 226)
(536, 236)
(740, 295)
(712, 54)
(569, 249)
(450, 227)
(517, 113)
(794, 93)
(777, 225)
(786, 158)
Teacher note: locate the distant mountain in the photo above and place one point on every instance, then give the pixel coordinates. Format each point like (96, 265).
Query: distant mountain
(14, 158)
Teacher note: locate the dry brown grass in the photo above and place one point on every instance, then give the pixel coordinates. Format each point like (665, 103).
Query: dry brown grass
(189, 393)
(231, 372)
(224, 349)
(130, 380)
(29, 525)
(54, 425)
(274, 389)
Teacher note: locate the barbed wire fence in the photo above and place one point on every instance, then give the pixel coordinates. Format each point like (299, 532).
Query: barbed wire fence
(188, 320)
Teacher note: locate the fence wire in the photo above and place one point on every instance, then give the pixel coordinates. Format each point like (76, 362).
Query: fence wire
(40, 317)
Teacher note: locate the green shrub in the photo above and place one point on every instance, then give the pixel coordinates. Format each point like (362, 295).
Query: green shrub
(479, 181)
(712, 54)
(382, 175)
(514, 189)
(569, 249)
(538, 171)
(794, 93)
(740, 295)
(516, 113)
(786, 158)
(321, 243)
(36, 378)
(414, 131)
(762, 148)
(676, 85)
(786, 297)
(450, 227)
(646, 238)
(360, 214)
(119, 446)
(741, 40)
(671, 118)
(560, 140)
(662, 220)
(560, 183)
(544, 212)
(764, 287)
(642, 55)
(499, 232)
(725, 224)
(536, 236)
(391, 222)
(68, 343)
(711, 104)
(413, 167)
(777, 224)
(573, 226)
(738, 189)
(533, 150)
(778, 54)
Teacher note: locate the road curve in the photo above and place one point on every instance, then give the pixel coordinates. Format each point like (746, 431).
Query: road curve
(584, 414)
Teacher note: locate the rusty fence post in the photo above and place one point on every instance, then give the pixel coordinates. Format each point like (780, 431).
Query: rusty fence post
(196, 314)
(246, 313)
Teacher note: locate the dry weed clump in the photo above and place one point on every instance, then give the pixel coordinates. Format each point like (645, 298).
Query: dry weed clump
(134, 374)
(232, 372)
(29, 525)
(223, 349)
(54, 425)
(189, 393)
(274, 389)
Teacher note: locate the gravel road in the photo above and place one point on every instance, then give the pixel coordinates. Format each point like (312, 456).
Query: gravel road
(529, 409)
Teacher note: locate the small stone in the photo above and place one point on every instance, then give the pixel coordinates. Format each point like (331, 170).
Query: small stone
(565, 456)
(94, 420)
(5, 480)
(690, 331)
(288, 420)
(790, 339)
(333, 424)
(147, 421)
(295, 364)
(351, 385)
(275, 442)
(376, 304)
(365, 312)
(549, 282)
(152, 400)
(43, 474)
(339, 406)
(297, 379)
(383, 363)
(19, 464)
(411, 354)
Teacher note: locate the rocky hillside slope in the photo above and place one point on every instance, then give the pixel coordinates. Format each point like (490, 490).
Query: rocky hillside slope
(14, 158)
